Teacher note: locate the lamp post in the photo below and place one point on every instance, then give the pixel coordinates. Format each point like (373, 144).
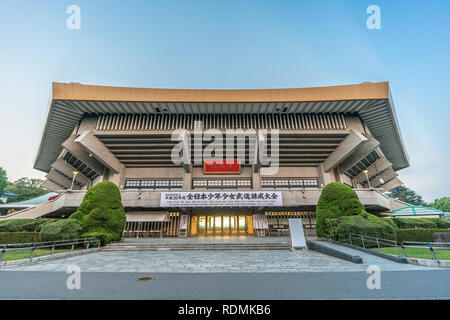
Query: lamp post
(73, 179)
(367, 176)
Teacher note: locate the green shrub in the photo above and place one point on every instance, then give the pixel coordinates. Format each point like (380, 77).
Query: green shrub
(22, 225)
(102, 236)
(102, 211)
(417, 234)
(441, 223)
(18, 237)
(370, 226)
(408, 223)
(336, 200)
(63, 229)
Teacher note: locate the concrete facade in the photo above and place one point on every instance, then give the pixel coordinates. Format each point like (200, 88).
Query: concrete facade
(126, 135)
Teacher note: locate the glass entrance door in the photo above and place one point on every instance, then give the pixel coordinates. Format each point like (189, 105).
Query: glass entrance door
(221, 225)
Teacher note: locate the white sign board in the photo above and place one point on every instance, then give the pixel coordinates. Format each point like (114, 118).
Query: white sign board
(222, 199)
(297, 235)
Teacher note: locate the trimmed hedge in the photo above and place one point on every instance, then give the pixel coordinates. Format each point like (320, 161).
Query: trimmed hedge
(417, 234)
(64, 229)
(409, 223)
(336, 200)
(22, 225)
(370, 226)
(18, 237)
(102, 212)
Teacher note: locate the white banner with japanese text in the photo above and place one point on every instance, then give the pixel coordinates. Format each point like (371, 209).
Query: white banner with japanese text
(222, 199)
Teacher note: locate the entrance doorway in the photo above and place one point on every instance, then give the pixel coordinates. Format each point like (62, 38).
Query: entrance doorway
(221, 225)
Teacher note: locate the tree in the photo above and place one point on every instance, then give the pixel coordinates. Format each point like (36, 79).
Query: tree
(406, 195)
(26, 188)
(3, 180)
(442, 204)
(336, 200)
(101, 213)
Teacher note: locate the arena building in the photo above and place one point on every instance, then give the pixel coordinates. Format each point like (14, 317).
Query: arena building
(125, 135)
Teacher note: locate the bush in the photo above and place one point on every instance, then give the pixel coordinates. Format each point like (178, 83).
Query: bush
(102, 211)
(22, 225)
(63, 229)
(441, 223)
(417, 234)
(409, 223)
(18, 237)
(336, 200)
(102, 236)
(370, 226)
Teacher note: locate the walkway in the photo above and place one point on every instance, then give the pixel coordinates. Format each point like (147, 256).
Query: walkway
(384, 264)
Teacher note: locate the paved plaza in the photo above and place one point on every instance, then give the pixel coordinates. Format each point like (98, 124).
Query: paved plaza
(208, 261)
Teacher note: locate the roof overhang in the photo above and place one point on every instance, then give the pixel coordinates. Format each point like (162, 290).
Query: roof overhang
(70, 102)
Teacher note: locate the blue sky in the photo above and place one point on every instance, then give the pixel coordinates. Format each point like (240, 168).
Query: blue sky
(230, 44)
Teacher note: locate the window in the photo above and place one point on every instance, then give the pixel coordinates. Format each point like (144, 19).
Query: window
(154, 184)
(290, 183)
(202, 183)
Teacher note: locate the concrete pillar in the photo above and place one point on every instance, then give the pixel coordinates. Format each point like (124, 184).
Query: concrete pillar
(377, 167)
(324, 177)
(386, 175)
(95, 147)
(187, 179)
(256, 178)
(394, 183)
(61, 166)
(344, 150)
(52, 186)
(82, 155)
(362, 151)
(59, 178)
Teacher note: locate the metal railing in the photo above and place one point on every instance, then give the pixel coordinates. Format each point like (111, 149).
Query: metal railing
(425, 245)
(367, 240)
(52, 245)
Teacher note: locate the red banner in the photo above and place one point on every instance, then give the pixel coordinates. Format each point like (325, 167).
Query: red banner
(221, 166)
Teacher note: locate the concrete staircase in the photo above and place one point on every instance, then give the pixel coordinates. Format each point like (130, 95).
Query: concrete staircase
(196, 244)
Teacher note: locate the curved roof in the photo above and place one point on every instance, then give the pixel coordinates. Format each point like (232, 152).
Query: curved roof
(70, 101)
(417, 211)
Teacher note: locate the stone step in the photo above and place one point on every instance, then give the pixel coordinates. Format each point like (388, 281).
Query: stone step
(195, 246)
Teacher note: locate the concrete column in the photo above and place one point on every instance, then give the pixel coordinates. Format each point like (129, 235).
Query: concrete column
(95, 147)
(324, 177)
(344, 150)
(386, 175)
(377, 167)
(362, 151)
(187, 179)
(59, 178)
(61, 166)
(394, 183)
(118, 178)
(256, 178)
(52, 186)
(82, 155)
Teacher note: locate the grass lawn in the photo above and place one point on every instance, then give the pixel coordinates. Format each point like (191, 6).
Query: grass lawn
(25, 254)
(416, 252)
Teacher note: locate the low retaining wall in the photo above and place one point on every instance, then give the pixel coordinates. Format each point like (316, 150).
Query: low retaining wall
(25, 262)
(429, 262)
(399, 259)
(313, 245)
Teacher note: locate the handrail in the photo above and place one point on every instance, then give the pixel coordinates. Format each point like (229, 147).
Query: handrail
(425, 245)
(366, 239)
(47, 244)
